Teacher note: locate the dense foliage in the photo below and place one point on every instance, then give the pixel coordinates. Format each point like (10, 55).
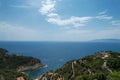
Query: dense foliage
(100, 66)
(9, 65)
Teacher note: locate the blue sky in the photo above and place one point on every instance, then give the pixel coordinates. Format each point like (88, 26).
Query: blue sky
(59, 20)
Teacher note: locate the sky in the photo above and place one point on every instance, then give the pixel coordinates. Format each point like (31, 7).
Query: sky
(59, 20)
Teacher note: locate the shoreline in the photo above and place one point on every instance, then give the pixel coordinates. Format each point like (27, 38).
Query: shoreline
(24, 68)
(40, 76)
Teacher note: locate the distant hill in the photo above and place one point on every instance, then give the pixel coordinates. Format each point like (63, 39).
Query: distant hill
(12, 65)
(100, 66)
(106, 40)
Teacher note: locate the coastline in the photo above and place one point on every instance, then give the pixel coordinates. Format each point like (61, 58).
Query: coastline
(24, 68)
(40, 76)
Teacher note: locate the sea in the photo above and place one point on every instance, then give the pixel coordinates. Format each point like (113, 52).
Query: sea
(56, 54)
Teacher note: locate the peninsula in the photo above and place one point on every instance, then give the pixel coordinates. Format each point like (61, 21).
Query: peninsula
(12, 66)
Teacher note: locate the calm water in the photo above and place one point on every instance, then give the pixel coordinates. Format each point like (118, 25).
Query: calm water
(55, 54)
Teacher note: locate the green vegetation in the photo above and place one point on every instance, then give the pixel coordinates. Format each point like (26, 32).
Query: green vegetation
(10, 64)
(114, 76)
(100, 66)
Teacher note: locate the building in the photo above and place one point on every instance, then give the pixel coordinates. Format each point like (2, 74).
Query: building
(105, 55)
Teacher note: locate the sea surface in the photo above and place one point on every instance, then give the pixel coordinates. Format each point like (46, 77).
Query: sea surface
(55, 54)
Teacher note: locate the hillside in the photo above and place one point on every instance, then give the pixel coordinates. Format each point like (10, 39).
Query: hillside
(12, 66)
(100, 66)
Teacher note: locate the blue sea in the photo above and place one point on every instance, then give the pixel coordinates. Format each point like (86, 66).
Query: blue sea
(55, 54)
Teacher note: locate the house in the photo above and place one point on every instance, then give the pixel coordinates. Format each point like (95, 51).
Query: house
(105, 55)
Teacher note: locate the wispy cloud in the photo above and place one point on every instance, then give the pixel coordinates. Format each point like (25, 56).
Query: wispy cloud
(116, 23)
(103, 16)
(86, 35)
(17, 32)
(103, 12)
(48, 9)
(26, 4)
(20, 6)
(107, 33)
(74, 21)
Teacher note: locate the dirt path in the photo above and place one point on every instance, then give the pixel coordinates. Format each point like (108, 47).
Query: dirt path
(73, 71)
(105, 66)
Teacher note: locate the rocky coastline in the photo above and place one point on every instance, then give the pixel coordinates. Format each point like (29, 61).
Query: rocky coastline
(24, 68)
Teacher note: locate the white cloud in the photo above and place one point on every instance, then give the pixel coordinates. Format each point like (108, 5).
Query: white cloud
(103, 12)
(74, 21)
(104, 17)
(51, 15)
(48, 9)
(116, 23)
(47, 6)
(13, 32)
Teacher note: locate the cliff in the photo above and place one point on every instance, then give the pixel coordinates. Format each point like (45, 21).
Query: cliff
(100, 66)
